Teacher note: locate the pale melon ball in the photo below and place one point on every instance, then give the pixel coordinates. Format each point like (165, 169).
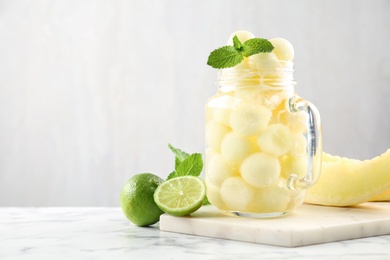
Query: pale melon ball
(298, 122)
(298, 198)
(218, 108)
(243, 65)
(260, 170)
(234, 148)
(283, 49)
(272, 199)
(249, 94)
(243, 36)
(267, 62)
(295, 121)
(293, 165)
(213, 195)
(236, 193)
(222, 116)
(214, 134)
(276, 139)
(249, 119)
(299, 147)
(217, 170)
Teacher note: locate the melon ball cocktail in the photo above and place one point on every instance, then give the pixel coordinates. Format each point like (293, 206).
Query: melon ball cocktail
(263, 142)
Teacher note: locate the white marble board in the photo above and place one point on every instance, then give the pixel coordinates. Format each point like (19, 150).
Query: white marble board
(309, 224)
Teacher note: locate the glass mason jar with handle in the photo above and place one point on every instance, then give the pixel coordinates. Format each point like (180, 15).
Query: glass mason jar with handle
(263, 143)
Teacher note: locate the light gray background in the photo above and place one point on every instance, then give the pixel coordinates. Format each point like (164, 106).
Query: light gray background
(92, 92)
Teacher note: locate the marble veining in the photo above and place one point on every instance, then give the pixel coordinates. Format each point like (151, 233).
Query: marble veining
(104, 233)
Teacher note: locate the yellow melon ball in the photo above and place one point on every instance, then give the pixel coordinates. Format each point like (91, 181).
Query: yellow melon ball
(214, 134)
(265, 62)
(217, 170)
(249, 119)
(243, 36)
(213, 195)
(260, 170)
(271, 199)
(236, 193)
(293, 165)
(276, 139)
(296, 121)
(250, 94)
(283, 49)
(234, 148)
(297, 198)
(222, 116)
(299, 147)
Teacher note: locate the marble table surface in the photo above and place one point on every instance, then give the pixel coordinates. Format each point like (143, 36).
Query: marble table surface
(104, 233)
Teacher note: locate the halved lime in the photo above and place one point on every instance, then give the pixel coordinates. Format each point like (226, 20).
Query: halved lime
(180, 196)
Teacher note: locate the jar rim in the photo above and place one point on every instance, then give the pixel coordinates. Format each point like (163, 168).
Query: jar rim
(280, 77)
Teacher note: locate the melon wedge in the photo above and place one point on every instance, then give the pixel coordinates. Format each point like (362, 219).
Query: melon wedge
(383, 197)
(348, 182)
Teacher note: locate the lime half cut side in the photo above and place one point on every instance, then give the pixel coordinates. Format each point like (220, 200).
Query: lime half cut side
(180, 196)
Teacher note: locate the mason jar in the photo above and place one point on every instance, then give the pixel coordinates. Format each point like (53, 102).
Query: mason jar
(263, 143)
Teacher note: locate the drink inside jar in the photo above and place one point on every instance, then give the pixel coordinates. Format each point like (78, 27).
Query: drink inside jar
(253, 142)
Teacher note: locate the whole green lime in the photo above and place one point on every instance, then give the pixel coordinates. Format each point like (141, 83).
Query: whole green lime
(137, 199)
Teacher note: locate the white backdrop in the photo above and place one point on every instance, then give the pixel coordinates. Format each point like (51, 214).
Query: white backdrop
(92, 92)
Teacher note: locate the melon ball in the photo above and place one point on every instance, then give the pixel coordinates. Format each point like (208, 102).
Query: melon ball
(298, 122)
(217, 170)
(213, 195)
(236, 193)
(234, 148)
(276, 139)
(298, 198)
(271, 199)
(249, 119)
(266, 62)
(222, 116)
(215, 133)
(260, 170)
(243, 36)
(299, 147)
(218, 108)
(248, 94)
(293, 165)
(283, 49)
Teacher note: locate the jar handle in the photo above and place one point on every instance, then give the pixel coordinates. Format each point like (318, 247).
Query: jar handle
(314, 144)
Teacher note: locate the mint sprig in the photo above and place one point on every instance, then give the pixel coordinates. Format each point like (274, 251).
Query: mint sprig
(229, 56)
(187, 164)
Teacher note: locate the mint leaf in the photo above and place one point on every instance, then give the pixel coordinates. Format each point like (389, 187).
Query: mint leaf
(257, 45)
(172, 175)
(237, 44)
(186, 164)
(180, 155)
(230, 56)
(224, 57)
(192, 165)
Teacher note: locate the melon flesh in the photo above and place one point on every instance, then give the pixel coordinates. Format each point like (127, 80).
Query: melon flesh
(348, 182)
(383, 197)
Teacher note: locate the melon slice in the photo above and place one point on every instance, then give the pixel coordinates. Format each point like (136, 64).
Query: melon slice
(348, 182)
(383, 197)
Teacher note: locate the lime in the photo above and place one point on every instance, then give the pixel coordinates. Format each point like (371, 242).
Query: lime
(137, 199)
(180, 196)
